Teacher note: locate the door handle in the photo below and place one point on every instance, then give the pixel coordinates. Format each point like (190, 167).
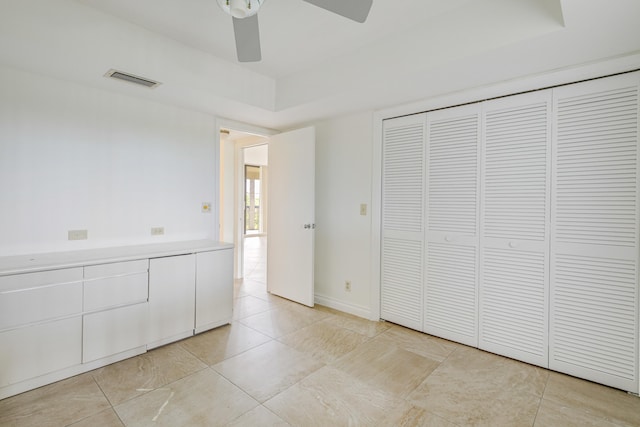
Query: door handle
(309, 226)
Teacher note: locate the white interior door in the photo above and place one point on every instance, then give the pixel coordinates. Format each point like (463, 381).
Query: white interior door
(291, 215)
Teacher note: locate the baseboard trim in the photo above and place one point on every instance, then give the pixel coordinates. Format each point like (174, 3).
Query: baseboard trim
(356, 310)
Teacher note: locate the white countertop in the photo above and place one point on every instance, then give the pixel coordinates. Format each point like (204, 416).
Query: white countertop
(55, 260)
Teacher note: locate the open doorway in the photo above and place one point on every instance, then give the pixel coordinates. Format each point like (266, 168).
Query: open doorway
(288, 272)
(243, 202)
(252, 200)
(255, 202)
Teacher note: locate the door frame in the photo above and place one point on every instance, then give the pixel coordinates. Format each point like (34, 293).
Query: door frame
(223, 123)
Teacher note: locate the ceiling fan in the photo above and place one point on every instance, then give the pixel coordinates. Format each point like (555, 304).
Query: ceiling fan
(245, 20)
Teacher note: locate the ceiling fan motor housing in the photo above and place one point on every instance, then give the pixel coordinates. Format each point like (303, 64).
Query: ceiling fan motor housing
(240, 8)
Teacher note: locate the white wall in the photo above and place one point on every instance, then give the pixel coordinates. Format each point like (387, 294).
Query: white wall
(74, 157)
(343, 236)
(257, 156)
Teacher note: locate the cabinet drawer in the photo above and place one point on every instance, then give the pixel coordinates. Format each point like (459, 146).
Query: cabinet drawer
(37, 350)
(115, 291)
(43, 278)
(34, 297)
(113, 331)
(116, 269)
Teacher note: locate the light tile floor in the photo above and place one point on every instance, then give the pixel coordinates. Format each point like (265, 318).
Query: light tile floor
(283, 364)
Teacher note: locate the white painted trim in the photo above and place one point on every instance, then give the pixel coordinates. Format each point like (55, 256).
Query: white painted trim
(169, 340)
(211, 325)
(215, 223)
(223, 123)
(356, 310)
(376, 218)
(52, 377)
(511, 87)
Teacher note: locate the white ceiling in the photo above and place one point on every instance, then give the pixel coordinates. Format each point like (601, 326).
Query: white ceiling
(295, 35)
(315, 64)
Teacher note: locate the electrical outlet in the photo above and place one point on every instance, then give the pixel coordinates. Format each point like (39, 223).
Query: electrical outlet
(363, 209)
(157, 231)
(347, 285)
(77, 234)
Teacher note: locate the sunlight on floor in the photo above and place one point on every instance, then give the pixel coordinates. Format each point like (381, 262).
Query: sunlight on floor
(255, 258)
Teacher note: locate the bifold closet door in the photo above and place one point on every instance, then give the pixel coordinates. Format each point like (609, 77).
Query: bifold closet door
(594, 249)
(403, 168)
(451, 286)
(514, 240)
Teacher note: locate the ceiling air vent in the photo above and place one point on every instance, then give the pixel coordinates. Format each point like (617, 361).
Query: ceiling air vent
(120, 75)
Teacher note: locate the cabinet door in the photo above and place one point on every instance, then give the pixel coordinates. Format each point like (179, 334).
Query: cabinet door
(514, 255)
(172, 282)
(594, 248)
(40, 349)
(403, 221)
(451, 291)
(113, 331)
(214, 289)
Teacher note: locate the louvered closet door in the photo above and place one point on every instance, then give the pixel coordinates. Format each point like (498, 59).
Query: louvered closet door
(514, 256)
(451, 287)
(594, 260)
(403, 221)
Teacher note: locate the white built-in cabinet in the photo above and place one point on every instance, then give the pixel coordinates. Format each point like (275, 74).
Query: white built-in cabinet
(512, 225)
(113, 303)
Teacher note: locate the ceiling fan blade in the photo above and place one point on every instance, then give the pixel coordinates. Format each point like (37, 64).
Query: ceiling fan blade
(247, 39)
(357, 10)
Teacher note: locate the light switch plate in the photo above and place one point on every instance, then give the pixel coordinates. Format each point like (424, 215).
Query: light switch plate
(363, 209)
